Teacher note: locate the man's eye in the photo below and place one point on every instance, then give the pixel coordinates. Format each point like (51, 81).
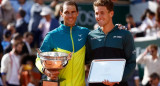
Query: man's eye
(66, 13)
(74, 12)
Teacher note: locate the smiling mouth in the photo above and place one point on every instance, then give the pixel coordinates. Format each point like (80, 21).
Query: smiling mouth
(70, 19)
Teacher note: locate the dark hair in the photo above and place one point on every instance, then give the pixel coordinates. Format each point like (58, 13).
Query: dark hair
(145, 14)
(154, 76)
(69, 3)
(22, 13)
(26, 58)
(7, 33)
(17, 36)
(27, 34)
(129, 16)
(107, 3)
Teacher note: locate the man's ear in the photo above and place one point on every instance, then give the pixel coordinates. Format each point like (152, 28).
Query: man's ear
(111, 13)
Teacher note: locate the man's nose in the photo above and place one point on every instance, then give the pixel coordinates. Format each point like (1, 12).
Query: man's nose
(70, 14)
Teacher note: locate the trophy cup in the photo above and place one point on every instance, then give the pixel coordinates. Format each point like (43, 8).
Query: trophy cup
(54, 61)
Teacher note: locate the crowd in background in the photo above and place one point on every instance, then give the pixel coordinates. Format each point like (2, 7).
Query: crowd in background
(24, 24)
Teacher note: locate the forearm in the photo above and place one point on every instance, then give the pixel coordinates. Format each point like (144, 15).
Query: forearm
(130, 56)
(140, 59)
(4, 80)
(136, 82)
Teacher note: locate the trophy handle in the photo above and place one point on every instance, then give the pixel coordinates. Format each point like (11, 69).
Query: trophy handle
(64, 64)
(38, 51)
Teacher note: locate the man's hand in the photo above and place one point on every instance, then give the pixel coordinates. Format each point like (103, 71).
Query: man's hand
(120, 26)
(52, 74)
(69, 56)
(106, 82)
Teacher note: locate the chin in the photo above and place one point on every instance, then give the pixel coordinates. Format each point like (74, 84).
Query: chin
(101, 25)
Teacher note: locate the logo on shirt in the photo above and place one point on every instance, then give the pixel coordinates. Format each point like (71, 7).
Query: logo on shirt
(117, 37)
(80, 37)
(134, 52)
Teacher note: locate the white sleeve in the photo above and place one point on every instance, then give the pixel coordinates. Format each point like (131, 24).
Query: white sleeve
(5, 62)
(141, 59)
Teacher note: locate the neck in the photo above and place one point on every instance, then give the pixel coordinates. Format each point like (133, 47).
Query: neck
(68, 25)
(13, 51)
(107, 28)
(154, 57)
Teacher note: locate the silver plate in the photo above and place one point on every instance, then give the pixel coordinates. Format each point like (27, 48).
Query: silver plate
(106, 69)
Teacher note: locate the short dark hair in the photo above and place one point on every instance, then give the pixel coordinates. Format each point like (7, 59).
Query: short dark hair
(129, 16)
(154, 76)
(27, 34)
(26, 58)
(22, 13)
(17, 36)
(69, 3)
(107, 3)
(7, 33)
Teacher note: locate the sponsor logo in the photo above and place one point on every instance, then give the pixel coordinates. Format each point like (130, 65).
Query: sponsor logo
(117, 37)
(134, 52)
(80, 35)
(80, 39)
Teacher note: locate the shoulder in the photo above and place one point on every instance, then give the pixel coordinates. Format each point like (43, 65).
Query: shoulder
(54, 31)
(123, 32)
(93, 32)
(83, 29)
(5, 57)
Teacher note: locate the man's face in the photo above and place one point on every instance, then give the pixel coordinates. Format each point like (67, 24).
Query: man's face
(129, 20)
(69, 15)
(154, 82)
(152, 51)
(30, 39)
(18, 49)
(102, 15)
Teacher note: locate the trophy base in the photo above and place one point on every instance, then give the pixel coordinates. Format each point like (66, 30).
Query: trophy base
(50, 83)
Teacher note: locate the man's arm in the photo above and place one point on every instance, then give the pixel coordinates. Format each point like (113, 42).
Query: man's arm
(4, 79)
(129, 49)
(4, 68)
(141, 58)
(88, 55)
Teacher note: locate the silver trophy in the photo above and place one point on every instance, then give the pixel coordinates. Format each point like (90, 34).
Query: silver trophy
(55, 61)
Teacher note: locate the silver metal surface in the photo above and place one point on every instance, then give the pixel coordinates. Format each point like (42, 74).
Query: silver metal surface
(53, 56)
(106, 69)
(53, 60)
